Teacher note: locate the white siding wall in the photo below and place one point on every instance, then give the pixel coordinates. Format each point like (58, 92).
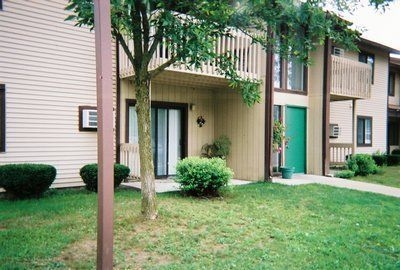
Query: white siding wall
(48, 66)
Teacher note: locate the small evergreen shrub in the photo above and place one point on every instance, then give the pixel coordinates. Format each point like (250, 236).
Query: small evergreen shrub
(362, 164)
(396, 152)
(393, 160)
(26, 180)
(89, 172)
(346, 174)
(201, 176)
(380, 159)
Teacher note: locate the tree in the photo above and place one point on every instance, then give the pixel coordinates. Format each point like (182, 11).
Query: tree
(189, 28)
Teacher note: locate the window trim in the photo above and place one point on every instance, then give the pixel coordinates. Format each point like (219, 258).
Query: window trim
(362, 117)
(3, 117)
(284, 79)
(373, 64)
(392, 87)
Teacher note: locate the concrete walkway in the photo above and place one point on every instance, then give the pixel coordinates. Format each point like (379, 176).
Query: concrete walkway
(167, 185)
(301, 179)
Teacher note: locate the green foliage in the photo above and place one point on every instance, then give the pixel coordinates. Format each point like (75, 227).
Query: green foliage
(220, 148)
(396, 152)
(89, 175)
(380, 159)
(346, 174)
(362, 164)
(201, 176)
(26, 180)
(393, 160)
(278, 136)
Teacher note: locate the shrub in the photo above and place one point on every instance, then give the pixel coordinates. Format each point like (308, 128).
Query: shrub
(380, 159)
(88, 174)
(26, 180)
(347, 174)
(201, 176)
(396, 152)
(362, 164)
(393, 160)
(220, 148)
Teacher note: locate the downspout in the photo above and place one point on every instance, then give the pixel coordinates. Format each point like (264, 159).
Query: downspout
(269, 106)
(326, 99)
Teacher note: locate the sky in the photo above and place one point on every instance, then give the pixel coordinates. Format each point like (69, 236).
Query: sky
(378, 26)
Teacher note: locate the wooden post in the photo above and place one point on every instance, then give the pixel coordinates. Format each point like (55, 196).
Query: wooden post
(269, 110)
(354, 118)
(326, 100)
(105, 134)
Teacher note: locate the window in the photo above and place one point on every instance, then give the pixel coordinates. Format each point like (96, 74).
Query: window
(364, 131)
(391, 84)
(368, 59)
(2, 118)
(1, 4)
(289, 74)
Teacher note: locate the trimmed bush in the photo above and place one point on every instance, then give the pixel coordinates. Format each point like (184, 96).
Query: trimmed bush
(88, 174)
(26, 180)
(346, 174)
(202, 176)
(393, 160)
(362, 164)
(380, 160)
(396, 152)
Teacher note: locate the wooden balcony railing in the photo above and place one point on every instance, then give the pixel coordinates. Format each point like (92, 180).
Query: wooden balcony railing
(246, 54)
(339, 152)
(130, 157)
(350, 79)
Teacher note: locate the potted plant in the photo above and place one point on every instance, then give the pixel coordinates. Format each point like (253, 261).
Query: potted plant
(279, 140)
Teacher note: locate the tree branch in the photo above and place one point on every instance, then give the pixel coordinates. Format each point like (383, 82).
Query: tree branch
(122, 41)
(161, 68)
(145, 26)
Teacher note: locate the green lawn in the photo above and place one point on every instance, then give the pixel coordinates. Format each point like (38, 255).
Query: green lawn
(258, 226)
(388, 176)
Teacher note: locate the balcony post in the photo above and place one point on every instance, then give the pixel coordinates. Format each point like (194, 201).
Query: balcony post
(326, 100)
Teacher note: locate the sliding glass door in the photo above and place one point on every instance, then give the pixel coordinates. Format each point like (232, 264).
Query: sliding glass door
(166, 137)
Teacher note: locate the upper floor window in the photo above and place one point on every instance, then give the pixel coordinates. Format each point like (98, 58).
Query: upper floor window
(391, 84)
(369, 59)
(2, 118)
(364, 131)
(1, 4)
(289, 74)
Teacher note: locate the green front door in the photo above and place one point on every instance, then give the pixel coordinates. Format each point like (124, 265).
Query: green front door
(296, 129)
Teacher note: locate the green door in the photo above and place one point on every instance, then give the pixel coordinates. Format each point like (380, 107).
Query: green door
(295, 154)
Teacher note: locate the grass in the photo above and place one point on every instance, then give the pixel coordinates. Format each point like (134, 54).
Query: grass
(388, 176)
(258, 226)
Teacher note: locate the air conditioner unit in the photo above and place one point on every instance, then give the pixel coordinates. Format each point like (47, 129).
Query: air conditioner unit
(89, 118)
(334, 131)
(338, 51)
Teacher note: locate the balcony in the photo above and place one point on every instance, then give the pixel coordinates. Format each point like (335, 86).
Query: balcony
(350, 79)
(246, 54)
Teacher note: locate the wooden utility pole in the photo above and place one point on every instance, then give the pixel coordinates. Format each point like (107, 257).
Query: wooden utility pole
(102, 22)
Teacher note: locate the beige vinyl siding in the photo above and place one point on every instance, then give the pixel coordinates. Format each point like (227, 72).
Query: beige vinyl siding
(48, 66)
(314, 114)
(225, 114)
(375, 107)
(201, 97)
(245, 127)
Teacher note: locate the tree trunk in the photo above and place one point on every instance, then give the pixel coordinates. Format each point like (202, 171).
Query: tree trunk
(143, 108)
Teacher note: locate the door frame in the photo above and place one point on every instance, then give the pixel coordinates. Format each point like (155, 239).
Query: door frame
(306, 129)
(184, 107)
